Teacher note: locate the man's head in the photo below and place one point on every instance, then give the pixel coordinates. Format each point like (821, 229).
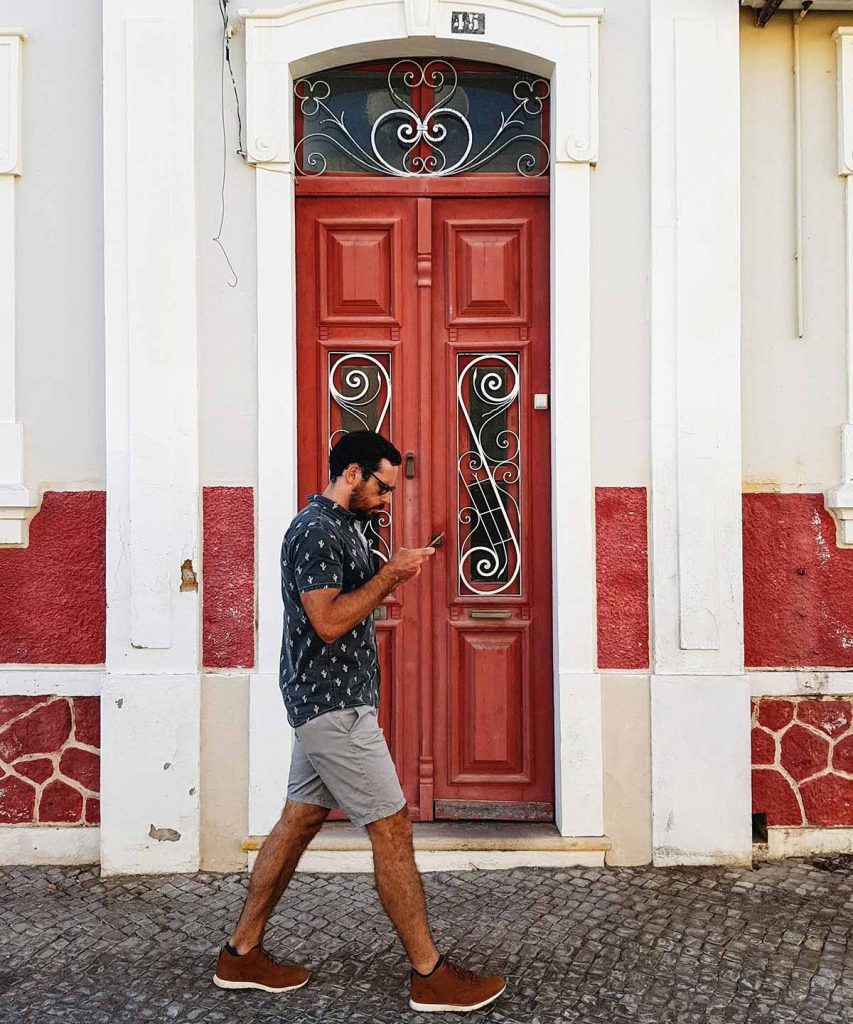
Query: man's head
(363, 467)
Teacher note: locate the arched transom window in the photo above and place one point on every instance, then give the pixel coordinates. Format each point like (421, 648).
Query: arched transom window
(424, 117)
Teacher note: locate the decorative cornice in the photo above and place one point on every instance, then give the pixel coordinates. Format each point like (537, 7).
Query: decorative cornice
(526, 6)
(277, 40)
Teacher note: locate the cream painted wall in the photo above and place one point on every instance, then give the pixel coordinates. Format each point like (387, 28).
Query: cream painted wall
(227, 315)
(620, 253)
(793, 389)
(60, 306)
(627, 753)
(224, 774)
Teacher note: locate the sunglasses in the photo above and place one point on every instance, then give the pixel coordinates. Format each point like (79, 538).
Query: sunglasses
(383, 487)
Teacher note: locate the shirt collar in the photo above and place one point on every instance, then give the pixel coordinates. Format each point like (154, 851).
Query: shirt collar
(332, 506)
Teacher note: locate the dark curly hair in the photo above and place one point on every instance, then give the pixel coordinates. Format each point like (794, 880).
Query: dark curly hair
(365, 447)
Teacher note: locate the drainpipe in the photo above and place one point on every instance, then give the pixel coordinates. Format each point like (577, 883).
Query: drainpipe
(796, 18)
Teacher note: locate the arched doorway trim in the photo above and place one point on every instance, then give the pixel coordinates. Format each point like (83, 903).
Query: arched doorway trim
(533, 36)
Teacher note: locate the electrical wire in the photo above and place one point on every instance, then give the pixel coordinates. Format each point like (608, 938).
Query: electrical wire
(226, 62)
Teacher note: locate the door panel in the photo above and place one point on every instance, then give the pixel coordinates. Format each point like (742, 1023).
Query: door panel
(357, 352)
(492, 588)
(422, 318)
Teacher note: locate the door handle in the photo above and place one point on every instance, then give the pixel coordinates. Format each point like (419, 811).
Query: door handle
(410, 465)
(482, 613)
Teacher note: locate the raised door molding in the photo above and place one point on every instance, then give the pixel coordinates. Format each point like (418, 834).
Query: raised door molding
(16, 503)
(839, 500)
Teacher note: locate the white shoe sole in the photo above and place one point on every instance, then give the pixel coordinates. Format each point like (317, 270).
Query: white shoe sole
(447, 1008)
(221, 983)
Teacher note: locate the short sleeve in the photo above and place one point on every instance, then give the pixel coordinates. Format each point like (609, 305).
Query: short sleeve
(316, 558)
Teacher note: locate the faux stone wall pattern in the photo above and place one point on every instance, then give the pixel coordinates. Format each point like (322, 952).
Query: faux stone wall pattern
(53, 593)
(228, 578)
(622, 577)
(798, 585)
(49, 760)
(802, 760)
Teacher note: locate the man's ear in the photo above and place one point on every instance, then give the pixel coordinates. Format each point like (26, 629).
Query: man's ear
(352, 474)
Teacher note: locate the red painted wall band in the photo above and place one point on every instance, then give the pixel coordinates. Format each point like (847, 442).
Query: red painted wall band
(228, 578)
(52, 594)
(798, 585)
(622, 577)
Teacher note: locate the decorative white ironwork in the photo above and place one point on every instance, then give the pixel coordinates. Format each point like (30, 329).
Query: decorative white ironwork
(440, 123)
(488, 481)
(356, 391)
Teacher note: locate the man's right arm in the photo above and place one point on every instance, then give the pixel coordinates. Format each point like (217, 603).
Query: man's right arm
(333, 614)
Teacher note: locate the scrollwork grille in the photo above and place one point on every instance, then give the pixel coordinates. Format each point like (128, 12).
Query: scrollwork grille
(488, 474)
(360, 399)
(429, 120)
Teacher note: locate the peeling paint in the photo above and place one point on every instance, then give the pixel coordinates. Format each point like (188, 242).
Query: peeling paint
(164, 835)
(823, 548)
(189, 580)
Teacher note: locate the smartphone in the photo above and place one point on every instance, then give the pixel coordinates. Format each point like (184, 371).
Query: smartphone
(436, 542)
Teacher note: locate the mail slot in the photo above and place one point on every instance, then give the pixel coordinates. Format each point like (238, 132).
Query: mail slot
(488, 613)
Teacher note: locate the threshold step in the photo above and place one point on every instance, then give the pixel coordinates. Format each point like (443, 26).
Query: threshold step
(453, 846)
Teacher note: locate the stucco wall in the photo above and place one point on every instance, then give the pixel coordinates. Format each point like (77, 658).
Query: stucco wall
(793, 388)
(60, 306)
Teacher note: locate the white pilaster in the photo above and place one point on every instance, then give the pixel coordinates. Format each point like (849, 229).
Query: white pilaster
(700, 714)
(16, 503)
(269, 734)
(839, 500)
(150, 771)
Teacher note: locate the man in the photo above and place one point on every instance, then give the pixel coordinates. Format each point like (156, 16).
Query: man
(330, 683)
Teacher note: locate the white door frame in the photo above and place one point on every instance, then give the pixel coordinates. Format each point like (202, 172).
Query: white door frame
(534, 36)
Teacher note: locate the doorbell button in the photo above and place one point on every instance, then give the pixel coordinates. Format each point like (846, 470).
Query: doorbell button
(540, 401)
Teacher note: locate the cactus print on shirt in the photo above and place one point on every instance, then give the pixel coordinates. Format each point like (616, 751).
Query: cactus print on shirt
(323, 547)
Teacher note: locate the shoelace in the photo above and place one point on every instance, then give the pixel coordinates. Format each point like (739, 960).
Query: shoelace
(269, 957)
(460, 972)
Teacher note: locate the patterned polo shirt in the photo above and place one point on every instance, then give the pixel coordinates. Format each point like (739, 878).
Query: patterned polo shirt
(322, 548)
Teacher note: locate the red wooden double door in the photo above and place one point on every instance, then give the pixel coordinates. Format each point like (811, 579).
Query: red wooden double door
(425, 317)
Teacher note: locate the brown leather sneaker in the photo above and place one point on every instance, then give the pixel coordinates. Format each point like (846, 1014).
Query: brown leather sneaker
(257, 969)
(452, 988)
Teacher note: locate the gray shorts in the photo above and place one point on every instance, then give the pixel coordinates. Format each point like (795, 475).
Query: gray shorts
(341, 759)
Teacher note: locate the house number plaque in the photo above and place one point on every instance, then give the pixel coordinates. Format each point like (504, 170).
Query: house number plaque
(468, 23)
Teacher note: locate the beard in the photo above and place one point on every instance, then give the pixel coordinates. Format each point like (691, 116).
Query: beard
(359, 509)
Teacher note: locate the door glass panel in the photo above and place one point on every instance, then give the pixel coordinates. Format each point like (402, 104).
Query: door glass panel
(424, 117)
(488, 459)
(481, 99)
(360, 399)
(346, 114)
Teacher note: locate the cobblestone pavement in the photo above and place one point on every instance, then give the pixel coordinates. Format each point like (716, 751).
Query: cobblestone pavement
(624, 945)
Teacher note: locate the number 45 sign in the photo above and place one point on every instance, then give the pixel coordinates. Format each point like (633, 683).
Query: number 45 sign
(468, 23)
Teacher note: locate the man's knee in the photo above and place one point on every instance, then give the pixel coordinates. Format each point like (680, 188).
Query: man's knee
(306, 818)
(395, 827)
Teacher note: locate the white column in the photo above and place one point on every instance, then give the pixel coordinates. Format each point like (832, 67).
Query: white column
(150, 699)
(269, 735)
(839, 500)
(700, 699)
(16, 503)
(579, 781)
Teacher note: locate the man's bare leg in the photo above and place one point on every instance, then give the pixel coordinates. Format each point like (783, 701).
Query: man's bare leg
(274, 867)
(400, 888)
